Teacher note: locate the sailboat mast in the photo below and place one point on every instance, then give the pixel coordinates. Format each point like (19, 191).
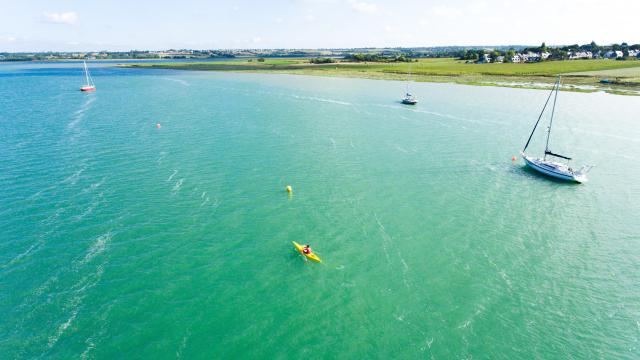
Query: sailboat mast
(86, 72)
(408, 75)
(553, 109)
(539, 117)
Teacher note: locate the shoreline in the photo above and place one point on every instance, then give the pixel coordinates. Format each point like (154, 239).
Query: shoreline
(432, 71)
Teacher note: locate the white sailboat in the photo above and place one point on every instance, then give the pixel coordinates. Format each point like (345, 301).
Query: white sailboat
(89, 85)
(552, 168)
(409, 99)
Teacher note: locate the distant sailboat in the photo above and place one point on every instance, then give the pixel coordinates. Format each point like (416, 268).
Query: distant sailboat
(89, 85)
(552, 168)
(408, 98)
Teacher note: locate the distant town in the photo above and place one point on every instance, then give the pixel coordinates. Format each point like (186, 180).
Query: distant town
(472, 54)
(535, 54)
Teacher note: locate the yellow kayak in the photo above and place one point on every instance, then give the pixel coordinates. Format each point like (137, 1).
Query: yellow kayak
(311, 256)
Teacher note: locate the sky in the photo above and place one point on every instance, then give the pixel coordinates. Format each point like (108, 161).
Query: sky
(92, 25)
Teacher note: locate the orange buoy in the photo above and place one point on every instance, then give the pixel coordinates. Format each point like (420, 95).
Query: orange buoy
(514, 158)
(158, 125)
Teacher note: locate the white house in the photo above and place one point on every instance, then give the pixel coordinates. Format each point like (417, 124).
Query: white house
(499, 59)
(580, 55)
(532, 57)
(633, 53)
(485, 58)
(516, 58)
(614, 54)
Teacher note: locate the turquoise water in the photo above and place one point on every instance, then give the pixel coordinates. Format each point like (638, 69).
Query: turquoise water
(122, 240)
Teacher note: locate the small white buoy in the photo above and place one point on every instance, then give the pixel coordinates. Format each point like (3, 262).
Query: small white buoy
(158, 125)
(289, 189)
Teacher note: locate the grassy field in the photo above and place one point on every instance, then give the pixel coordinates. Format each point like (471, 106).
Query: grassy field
(578, 75)
(632, 72)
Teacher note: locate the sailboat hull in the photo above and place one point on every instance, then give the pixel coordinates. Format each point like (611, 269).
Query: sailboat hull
(88, 88)
(553, 169)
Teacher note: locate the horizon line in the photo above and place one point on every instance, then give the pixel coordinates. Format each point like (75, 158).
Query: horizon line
(300, 48)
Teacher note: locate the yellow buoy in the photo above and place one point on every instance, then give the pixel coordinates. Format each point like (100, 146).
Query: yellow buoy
(289, 189)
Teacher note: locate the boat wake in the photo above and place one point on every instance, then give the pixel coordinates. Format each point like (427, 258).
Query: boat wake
(501, 272)
(387, 242)
(183, 344)
(78, 115)
(79, 290)
(179, 81)
(96, 201)
(97, 248)
(312, 98)
(177, 186)
(93, 186)
(73, 178)
(172, 175)
(162, 155)
(458, 118)
(33, 248)
(95, 338)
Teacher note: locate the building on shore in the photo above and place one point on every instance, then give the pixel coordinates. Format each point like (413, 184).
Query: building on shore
(574, 55)
(484, 59)
(613, 54)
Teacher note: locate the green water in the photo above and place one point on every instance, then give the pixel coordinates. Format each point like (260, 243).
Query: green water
(122, 240)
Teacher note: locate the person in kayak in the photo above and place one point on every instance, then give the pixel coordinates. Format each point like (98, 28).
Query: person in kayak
(306, 249)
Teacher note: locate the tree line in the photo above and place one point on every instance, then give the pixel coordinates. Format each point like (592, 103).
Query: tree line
(376, 57)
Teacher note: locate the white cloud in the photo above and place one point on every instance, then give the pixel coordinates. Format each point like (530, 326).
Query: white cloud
(68, 18)
(310, 18)
(388, 28)
(256, 39)
(446, 11)
(363, 7)
(477, 6)
(7, 39)
(279, 20)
